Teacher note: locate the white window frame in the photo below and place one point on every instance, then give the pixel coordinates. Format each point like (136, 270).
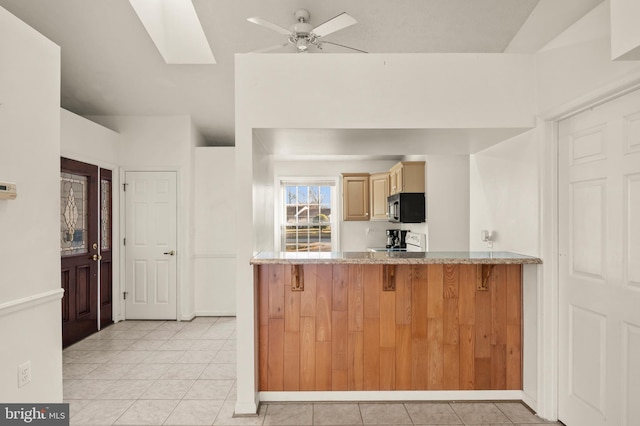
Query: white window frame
(307, 180)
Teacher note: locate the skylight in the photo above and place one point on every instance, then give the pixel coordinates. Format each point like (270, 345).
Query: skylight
(175, 29)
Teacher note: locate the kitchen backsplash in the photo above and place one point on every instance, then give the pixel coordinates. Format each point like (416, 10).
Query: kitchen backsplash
(359, 235)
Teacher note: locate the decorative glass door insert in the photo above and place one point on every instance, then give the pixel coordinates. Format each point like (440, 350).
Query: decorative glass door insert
(105, 214)
(73, 214)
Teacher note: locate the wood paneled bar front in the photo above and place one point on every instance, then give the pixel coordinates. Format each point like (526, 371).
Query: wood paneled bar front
(389, 321)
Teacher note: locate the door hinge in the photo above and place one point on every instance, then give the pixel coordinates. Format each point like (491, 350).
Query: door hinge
(124, 294)
(124, 186)
(124, 241)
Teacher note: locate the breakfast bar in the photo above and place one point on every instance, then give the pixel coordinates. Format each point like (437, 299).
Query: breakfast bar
(389, 321)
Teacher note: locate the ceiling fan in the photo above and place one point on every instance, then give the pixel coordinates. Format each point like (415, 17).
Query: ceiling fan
(303, 35)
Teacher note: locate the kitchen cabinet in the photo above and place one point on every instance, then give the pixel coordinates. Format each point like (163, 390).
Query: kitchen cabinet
(407, 176)
(365, 195)
(338, 327)
(355, 196)
(378, 193)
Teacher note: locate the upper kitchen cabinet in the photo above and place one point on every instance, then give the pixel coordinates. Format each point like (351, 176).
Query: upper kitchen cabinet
(378, 193)
(355, 193)
(407, 176)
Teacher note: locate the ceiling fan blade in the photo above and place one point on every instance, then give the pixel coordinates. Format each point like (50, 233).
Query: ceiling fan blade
(270, 48)
(270, 25)
(341, 21)
(342, 45)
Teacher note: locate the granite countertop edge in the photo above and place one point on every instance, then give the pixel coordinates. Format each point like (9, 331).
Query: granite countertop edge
(395, 258)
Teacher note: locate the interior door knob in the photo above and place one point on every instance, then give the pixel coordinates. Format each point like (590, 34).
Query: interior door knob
(170, 253)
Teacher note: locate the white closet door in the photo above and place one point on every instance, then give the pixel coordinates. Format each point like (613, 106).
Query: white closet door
(150, 206)
(599, 198)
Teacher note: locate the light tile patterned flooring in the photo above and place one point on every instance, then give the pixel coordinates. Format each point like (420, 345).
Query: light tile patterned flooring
(183, 373)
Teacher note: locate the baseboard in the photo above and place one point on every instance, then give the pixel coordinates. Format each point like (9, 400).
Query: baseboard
(215, 314)
(246, 410)
(31, 301)
(531, 402)
(489, 395)
(187, 317)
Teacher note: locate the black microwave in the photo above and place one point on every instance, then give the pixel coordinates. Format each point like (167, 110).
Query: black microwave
(406, 207)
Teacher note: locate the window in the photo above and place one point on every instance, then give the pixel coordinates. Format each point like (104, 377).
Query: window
(308, 224)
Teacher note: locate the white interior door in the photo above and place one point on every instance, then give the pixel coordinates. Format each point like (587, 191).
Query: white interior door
(599, 191)
(150, 247)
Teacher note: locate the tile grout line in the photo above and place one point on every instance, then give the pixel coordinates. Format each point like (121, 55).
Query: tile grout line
(360, 411)
(456, 413)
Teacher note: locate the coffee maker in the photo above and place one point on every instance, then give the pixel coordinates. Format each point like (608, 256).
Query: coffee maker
(396, 238)
(392, 236)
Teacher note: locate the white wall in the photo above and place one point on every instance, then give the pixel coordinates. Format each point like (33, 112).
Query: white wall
(360, 91)
(448, 202)
(409, 91)
(263, 192)
(504, 195)
(625, 31)
(504, 198)
(30, 326)
(84, 140)
(163, 143)
(214, 231)
(578, 62)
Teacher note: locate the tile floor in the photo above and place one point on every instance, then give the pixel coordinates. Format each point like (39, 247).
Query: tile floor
(183, 373)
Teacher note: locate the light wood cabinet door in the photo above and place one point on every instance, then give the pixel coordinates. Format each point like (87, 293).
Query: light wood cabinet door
(378, 193)
(412, 177)
(395, 179)
(407, 176)
(355, 192)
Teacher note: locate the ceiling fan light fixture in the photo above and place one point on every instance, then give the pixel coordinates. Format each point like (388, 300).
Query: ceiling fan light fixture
(302, 44)
(303, 35)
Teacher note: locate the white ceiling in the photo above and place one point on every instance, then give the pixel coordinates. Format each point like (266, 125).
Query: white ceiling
(110, 66)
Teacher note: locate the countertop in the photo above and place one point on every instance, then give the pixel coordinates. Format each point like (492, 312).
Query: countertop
(395, 258)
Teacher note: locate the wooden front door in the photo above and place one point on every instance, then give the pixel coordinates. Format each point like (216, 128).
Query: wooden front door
(81, 202)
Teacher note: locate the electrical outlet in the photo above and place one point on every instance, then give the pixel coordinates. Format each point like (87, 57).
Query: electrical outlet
(24, 373)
